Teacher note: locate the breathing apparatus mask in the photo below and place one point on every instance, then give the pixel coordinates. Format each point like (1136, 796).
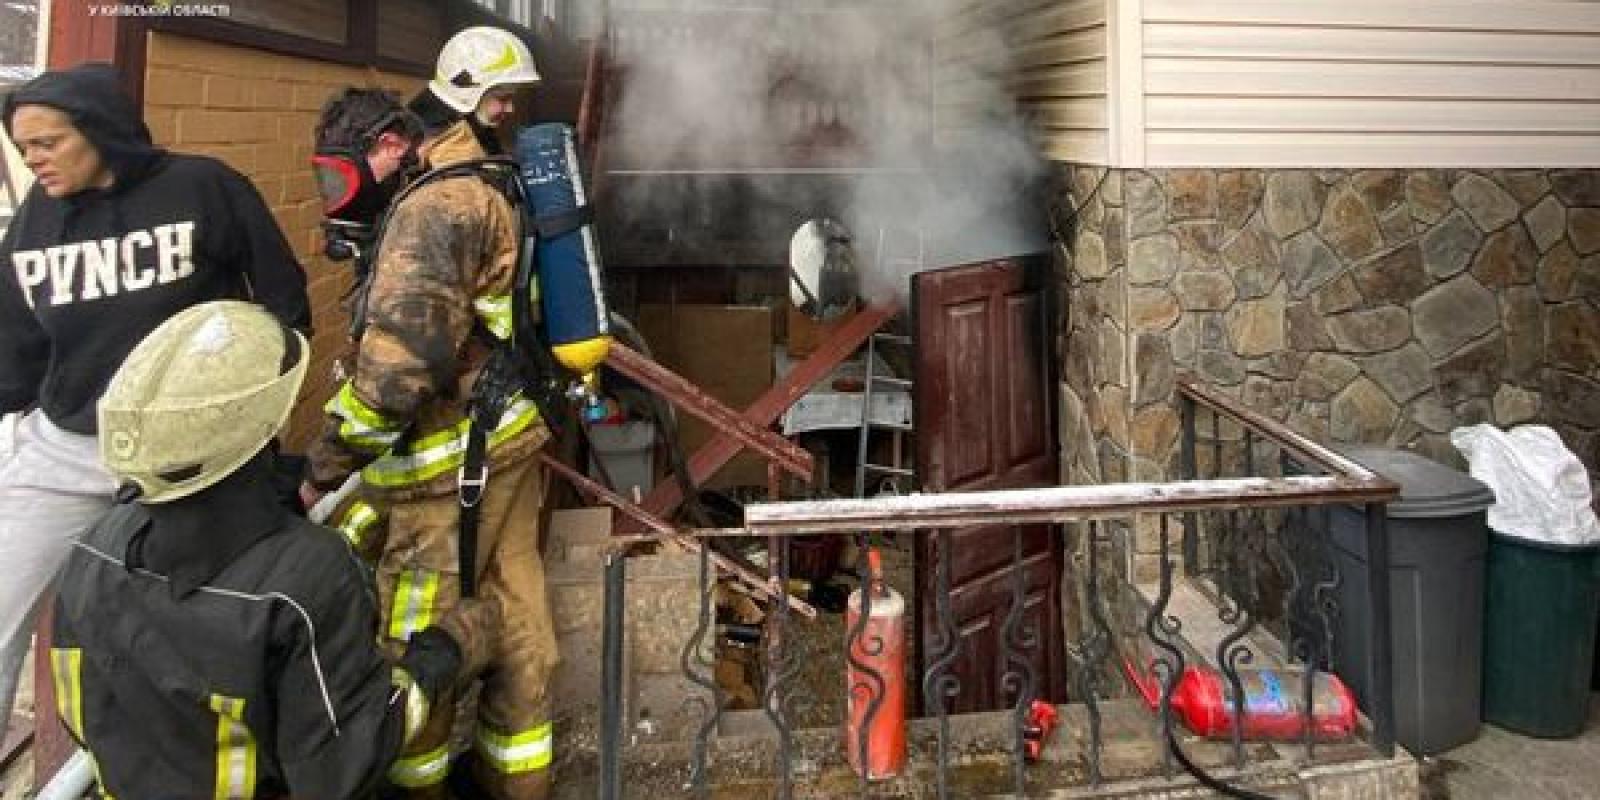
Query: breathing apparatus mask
(353, 199)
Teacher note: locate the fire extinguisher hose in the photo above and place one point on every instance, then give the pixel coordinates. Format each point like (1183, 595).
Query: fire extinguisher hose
(1206, 780)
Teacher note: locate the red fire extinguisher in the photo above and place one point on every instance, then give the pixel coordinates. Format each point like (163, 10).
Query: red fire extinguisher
(1274, 704)
(880, 647)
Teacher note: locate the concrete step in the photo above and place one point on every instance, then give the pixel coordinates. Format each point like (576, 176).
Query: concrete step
(743, 760)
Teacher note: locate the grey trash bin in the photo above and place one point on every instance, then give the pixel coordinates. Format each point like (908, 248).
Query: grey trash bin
(1438, 540)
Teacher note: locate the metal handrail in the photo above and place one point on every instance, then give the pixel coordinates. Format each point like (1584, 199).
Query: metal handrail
(1346, 483)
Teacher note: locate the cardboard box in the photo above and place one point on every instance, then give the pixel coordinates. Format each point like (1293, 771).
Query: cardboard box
(726, 351)
(806, 334)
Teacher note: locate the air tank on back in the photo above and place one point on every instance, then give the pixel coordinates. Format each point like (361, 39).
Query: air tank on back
(571, 294)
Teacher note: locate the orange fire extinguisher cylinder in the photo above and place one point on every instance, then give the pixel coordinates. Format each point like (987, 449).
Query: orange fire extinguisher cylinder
(876, 700)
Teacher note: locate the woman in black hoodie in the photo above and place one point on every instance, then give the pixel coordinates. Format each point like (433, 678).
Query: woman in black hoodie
(114, 237)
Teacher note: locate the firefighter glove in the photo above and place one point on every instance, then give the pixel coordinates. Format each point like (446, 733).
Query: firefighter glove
(433, 660)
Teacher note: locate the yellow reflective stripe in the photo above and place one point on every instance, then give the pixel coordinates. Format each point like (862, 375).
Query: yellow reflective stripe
(236, 751)
(495, 311)
(66, 672)
(357, 521)
(416, 711)
(362, 426)
(414, 595)
(441, 452)
(423, 769)
(526, 751)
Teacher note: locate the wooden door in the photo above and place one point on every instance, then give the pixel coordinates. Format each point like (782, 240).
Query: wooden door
(985, 402)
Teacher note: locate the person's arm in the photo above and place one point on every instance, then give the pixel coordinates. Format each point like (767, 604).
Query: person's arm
(24, 346)
(419, 315)
(345, 712)
(339, 724)
(276, 278)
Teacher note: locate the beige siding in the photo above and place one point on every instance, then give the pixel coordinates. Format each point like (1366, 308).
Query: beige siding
(1049, 54)
(1416, 83)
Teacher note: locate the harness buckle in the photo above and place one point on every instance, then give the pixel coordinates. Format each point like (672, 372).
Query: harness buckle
(471, 488)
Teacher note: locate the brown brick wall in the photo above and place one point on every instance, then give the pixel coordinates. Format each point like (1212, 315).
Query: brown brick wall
(255, 110)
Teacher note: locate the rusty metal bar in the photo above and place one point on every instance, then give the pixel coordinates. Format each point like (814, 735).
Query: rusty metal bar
(715, 454)
(1048, 505)
(583, 483)
(1279, 433)
(19, 734)
(757, 582)
(612, 642)
(649, 172)
(693, 399)
(592, 102)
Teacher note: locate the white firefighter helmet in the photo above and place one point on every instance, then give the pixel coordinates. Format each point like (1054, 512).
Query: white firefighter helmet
(199, 397)
(477, 60)
(823, 282)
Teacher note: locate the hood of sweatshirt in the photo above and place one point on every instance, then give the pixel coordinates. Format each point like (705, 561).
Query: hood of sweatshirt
(93, 97)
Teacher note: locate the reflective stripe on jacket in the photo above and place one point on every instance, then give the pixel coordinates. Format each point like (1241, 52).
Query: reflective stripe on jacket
(445, 267)
(262, 682)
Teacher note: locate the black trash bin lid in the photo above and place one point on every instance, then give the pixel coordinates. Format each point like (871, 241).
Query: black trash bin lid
(1427, 488)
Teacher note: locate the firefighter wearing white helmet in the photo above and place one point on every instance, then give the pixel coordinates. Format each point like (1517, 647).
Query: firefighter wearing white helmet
(210, 606)
(477, 68)
(427, 459)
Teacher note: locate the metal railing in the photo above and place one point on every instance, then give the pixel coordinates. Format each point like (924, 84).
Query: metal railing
(1252, 506)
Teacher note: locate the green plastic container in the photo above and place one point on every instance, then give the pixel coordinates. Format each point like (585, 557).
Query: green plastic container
(1539, 635)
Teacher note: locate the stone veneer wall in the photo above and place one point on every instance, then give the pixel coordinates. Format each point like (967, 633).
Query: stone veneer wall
(1376, 306)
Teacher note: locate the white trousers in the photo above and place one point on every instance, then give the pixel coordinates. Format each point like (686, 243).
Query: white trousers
(52, 488)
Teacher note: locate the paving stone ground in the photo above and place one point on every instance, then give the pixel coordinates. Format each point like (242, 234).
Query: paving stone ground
(1501, 764)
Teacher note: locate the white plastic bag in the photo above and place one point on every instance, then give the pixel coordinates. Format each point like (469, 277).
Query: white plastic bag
(1541, 489)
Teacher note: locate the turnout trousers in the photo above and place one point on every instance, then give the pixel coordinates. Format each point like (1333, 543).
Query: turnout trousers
(412, 544)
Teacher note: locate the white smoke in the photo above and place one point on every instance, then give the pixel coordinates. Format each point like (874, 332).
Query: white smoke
(899, 109)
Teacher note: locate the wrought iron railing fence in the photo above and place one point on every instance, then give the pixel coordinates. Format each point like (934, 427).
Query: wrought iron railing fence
(1247, 525)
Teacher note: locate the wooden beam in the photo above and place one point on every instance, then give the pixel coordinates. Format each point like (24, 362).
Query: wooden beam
(685, 395)
(715, 454)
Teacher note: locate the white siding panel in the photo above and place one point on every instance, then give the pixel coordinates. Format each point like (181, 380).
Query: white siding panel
(1066, 80)
(1302, 43)
(1085, 147)
(1049, 54)
(1370, 115)
(1294, 149)
(1246, 78)
(1071, 48)
(983, 50)
(1076, 114)
(984, 14)
(1556, 16)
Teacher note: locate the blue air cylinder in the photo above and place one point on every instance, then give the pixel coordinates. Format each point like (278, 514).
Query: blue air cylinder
(571, 295)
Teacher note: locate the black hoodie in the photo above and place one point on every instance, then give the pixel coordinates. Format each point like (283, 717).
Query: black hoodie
(84, 278)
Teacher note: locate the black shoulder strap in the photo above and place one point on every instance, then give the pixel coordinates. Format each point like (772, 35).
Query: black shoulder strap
(553, 225)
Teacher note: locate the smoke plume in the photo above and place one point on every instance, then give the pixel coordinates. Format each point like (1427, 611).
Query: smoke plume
(897, 112)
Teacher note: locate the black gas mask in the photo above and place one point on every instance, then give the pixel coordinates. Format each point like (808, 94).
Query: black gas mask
(353, 199)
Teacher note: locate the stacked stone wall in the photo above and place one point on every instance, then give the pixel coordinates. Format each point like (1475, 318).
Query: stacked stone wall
(1373, 306)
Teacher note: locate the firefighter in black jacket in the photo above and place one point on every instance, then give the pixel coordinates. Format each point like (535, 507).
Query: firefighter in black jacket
(208, 641)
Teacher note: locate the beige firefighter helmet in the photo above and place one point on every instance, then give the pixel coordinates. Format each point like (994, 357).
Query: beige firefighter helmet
(200, 396)
(477, 60)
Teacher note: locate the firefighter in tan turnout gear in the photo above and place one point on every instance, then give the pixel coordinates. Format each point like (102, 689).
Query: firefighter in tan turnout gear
(436, 303)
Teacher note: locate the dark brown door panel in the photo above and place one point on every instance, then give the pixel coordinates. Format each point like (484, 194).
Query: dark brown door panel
(985, 411)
